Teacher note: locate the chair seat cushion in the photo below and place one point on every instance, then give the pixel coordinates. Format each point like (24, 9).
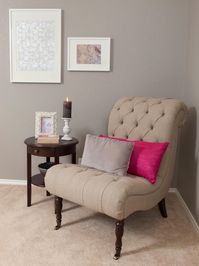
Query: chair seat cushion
(97, 190)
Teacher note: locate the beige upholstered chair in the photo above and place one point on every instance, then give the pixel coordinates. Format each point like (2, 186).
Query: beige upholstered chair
(136, 118)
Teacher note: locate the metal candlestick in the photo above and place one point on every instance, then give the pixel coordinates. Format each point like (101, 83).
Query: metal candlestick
(66, 129)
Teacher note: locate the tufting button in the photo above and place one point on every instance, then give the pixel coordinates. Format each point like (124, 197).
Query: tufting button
(151, 127)
(141, 139)
(147, 111)
(132, 110)
(121, 122)
(113, 135)
(163, 114)
(136, 124)
(118, 108)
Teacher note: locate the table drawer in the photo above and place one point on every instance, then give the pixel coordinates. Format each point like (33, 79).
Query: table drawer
(41, 151)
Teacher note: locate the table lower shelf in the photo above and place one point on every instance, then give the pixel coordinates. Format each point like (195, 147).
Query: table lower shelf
(38, 180)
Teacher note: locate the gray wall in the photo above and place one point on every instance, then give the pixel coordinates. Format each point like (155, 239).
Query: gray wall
(148, 58)
(188, 181)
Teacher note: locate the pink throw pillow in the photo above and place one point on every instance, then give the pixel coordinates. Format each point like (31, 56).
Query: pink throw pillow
(145, 158)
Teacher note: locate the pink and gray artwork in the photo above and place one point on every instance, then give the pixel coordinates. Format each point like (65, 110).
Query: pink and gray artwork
(88, 54)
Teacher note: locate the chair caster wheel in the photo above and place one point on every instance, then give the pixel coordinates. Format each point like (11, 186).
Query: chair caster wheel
(57, 227)
(116, 256)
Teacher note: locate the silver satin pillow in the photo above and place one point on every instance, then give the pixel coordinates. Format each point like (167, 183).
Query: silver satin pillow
(106, 154)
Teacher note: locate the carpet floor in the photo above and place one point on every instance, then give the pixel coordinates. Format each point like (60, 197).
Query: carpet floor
(28, 238)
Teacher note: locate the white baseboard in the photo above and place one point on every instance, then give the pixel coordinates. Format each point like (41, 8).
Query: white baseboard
(171, 190)
(13, 182)
(188, 212)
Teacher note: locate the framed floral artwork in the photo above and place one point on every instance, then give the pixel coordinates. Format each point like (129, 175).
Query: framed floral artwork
(88, 54)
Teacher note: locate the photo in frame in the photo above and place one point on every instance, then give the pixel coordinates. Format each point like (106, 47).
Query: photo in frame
(88, 54)
(35, 45)
(45, 124)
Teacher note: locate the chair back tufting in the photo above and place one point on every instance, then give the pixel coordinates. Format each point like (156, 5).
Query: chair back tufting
(149, 119)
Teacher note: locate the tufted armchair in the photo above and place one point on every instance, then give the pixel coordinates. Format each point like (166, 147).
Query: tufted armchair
(136, 118)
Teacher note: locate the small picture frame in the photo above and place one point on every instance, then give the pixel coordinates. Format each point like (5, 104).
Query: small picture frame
(45, 124)
(88, 54)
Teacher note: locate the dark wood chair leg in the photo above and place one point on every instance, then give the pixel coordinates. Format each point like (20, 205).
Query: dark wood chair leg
(58, 209)
(119, 230)
(162, 208)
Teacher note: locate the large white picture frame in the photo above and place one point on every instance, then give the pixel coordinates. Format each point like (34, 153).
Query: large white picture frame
(35, 45)
(88, 54)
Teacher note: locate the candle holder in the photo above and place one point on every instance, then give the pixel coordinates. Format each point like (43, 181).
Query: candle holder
(66, 129)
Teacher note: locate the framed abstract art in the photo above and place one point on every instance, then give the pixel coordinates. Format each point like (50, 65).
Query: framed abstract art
(35, 45)
(88, 54)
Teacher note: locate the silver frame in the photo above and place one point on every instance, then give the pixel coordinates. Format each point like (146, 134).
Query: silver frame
(39, 116)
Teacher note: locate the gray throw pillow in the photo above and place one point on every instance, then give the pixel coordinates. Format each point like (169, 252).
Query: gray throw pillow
(106, 154)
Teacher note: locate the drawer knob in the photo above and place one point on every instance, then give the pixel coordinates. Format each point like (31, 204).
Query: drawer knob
(36, 151)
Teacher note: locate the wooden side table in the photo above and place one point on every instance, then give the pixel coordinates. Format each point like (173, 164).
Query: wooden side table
(63, 148)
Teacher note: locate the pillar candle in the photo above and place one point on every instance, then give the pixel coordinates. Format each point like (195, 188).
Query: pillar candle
(67, 108)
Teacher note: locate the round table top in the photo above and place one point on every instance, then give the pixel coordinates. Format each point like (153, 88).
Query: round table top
(62, 143)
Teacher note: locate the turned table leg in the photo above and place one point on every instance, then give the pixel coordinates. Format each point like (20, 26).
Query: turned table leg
(74, 158)
(29, 170)
(47, 160)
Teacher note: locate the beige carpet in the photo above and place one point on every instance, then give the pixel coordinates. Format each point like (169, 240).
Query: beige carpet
(27, 237)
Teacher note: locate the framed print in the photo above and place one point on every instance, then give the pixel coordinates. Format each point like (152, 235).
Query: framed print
(88, 54)
(45, 124)
(35, 45)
